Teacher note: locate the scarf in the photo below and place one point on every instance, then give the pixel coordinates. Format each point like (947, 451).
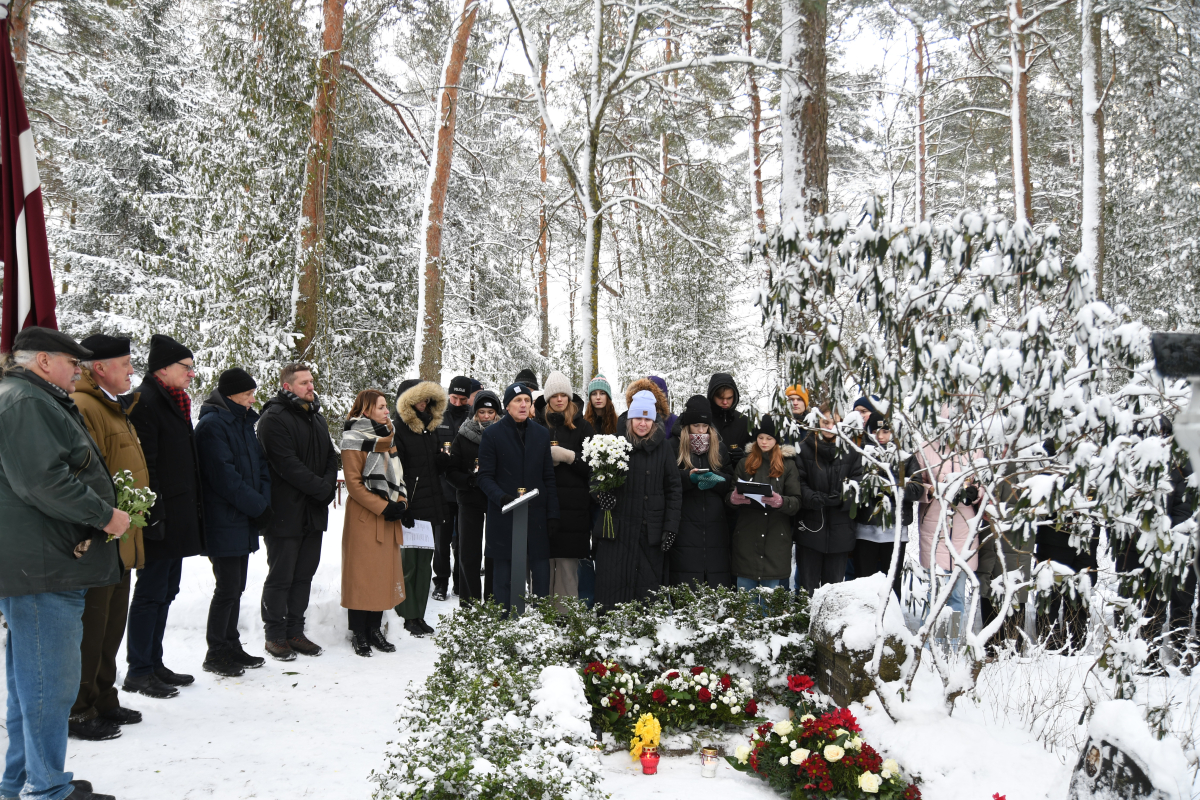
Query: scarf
(178, 396)
(382, 473)
(311, 406)
(472, 429)
(699, 443)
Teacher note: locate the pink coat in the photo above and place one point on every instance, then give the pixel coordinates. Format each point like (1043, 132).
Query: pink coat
(929, 510)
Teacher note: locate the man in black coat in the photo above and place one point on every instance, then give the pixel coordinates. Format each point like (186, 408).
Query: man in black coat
(303, 464)
(514, 454)
(458, 411)
(175, 526)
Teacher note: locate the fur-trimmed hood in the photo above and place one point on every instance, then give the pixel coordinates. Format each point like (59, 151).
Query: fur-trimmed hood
(425, 390)
(647, 385)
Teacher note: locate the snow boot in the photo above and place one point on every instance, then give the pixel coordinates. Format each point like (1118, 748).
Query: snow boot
(122, 715)
(376, 639)
(220, 663)
(304, 646)
(240, 657)
(96, 729)
(173, 678)
(360, 645)
(148, 685)
(280, 650)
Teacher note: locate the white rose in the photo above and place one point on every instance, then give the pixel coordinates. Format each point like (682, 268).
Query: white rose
(800, 756)
(840, 732)
(833, 752)
(807, 717)
(855, 743)
(742, 753)
(783, 761)
(891, 766)
(674, 702)
(869, 782)
(783, 728)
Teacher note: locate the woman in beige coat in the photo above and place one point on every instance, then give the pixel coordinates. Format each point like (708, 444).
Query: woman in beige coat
(372, 573)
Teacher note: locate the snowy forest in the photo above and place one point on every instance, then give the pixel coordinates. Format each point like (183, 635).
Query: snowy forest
(387, 187)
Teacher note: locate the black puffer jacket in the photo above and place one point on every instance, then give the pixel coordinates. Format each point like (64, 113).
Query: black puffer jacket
(574, 537)
(824, 523)
(303, 464)
(452, 420)
(913, 491)
(703, 552)
(420, 450)
(463, 472)
(733, 425)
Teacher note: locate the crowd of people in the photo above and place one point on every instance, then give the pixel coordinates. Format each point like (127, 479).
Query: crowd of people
(712, 496)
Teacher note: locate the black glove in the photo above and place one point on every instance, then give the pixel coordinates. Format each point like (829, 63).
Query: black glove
(832, 500)
(506, 499)
(552, 527)
(332, 494)
(969, 496)
(394, 511)
(263, 519)
(408, 521)
(668, 540)
(606, 500)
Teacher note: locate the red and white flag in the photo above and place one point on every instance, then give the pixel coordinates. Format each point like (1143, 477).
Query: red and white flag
(28, 284)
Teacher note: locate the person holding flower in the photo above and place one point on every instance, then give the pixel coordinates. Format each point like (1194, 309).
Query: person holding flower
(762, 540)
(631, 558)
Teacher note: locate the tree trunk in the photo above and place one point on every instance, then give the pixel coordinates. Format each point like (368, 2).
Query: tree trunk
(20, 14)
(805, 112)
(543, 236)
(428, 336)
(756, 187)
(316, 169)
(592, 217)
(1019, 111)
(1092, 244)
(922, 208)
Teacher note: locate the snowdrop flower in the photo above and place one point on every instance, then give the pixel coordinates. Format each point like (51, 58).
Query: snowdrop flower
(869, 782)
(783, 728)
(833, 752)
(890, 765)
(800, 755)
(742, 753)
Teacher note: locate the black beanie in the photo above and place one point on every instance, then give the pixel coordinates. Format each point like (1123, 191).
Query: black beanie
(697, 409)
(486, 399)
(460, 384)
(766, 425)
(529, 378)
(104, 347)
(514, 390)
(165, 351)
(235, 381)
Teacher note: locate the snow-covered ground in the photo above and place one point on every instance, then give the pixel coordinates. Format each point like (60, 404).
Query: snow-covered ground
(317, 727)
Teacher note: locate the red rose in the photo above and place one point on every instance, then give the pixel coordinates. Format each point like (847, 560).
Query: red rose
(672, 675)
(800, 683)
(751, 709)
(697, 670)
(705, 695)
(726, 681)
(659, 696)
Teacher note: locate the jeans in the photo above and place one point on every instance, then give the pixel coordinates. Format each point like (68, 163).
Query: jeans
(291, 563)
(502, 578)
(750, 584)
(41, 666)
(157, 585)
(105, 611)
(226, 605)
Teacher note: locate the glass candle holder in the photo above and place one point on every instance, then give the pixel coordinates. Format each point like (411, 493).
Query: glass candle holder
(708, 762)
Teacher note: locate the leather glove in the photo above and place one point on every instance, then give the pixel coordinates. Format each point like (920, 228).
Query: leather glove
(708, 480)
(552, 527)
(408, 521)
(668, 540)
(606, 500)
(263, 519)
(562, 455)
(395, 511)
(506, 499)
(774, 501)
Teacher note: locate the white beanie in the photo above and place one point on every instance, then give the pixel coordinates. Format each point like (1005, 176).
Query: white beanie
(556, 383)
(644, 406)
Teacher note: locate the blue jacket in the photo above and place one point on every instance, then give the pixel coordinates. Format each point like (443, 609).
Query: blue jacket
(505, 464)
(234, 476)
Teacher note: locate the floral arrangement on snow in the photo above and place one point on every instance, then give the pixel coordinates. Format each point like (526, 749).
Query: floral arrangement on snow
(820, 755)
(680, 699)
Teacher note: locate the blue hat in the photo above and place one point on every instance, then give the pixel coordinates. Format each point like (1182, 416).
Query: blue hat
(643, 406)
(514, 390)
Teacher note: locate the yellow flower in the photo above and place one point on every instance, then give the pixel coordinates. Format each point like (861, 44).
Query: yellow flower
(833, 752)
(646, 733)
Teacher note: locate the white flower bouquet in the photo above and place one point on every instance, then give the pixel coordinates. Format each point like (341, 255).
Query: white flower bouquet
(608, 456)
(133, 501)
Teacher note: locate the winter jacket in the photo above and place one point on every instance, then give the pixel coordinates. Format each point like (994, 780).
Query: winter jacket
(234, 476)
(703, 549)
(55, 492)
(372, 571)
(421, 452)
(508, 463)
(824, 523)
(108, 423)
(733, 426)
(935, 468)
(303, 465)
(574, 537)
(631, 563)
(175, 526)
(762, 540)
(463, 472)
(868, 502)
(452, 420)
(661, 407)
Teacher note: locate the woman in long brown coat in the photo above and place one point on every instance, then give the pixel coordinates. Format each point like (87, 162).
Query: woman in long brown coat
(372, 572)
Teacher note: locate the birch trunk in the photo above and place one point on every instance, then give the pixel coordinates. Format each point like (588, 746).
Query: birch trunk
(428, 338)
(1019, 111)
(316, 172)
(543, 238)
(1092, 234)
(922, 207)
(591, 195)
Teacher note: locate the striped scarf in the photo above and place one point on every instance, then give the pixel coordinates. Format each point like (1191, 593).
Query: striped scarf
(382, 473)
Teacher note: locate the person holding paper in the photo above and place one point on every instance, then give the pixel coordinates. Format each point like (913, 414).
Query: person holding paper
(826, 532)
(762, 540)
(702, 553)
(372, 567)
(419, 409)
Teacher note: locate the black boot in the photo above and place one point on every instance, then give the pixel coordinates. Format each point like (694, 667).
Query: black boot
(148, 685)
(375, 639)
(96, 729)
(173, 678)
(413, 628)
(361, 647)
(122, 715)
(220, 663)
(240, 657)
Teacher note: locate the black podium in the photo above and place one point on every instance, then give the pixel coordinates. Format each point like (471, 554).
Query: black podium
(520, 550)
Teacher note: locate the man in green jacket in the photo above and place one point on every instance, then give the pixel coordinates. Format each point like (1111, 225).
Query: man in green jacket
(58, 504)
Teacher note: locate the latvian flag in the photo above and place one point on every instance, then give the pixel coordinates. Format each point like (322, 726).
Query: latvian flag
(28, 284)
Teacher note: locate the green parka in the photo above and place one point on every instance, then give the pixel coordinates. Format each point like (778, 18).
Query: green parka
(762, 540)
(55, 492)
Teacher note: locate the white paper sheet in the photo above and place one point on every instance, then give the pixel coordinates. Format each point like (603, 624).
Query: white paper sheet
(756, 497)
(419, 537)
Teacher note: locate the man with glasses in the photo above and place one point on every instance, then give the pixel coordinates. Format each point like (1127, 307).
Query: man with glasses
(59, 509)
(174, 529)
